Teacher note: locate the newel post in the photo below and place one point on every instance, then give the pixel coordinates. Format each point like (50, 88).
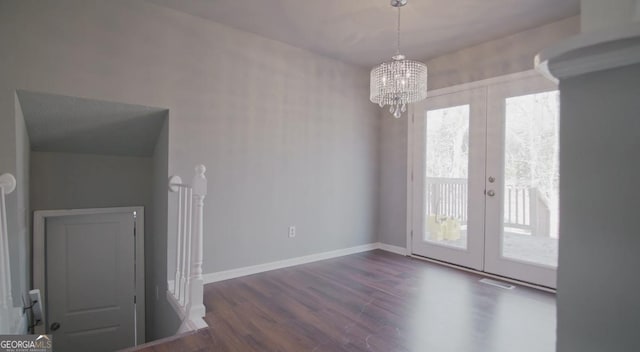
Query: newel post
(196, 307)
(7, 185)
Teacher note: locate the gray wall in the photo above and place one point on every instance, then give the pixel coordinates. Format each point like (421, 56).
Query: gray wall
(72, 181)
(598, 14)
(598, 283)
(392, 219)
(498, 57)
(289, 137)
(511, 54)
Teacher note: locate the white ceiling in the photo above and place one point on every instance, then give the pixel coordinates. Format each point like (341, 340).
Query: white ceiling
(57, 123)
(362, 32)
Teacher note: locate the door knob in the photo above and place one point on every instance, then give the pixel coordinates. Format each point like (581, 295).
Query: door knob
(491, 193)
(55, 326)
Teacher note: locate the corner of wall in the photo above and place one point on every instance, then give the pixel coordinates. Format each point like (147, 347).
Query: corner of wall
(21, 244)
(162, 320)
(393, 179)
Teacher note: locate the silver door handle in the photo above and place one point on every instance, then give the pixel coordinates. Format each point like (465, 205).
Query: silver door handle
(491, 193)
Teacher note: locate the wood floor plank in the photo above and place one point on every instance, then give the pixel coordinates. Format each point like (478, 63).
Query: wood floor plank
(372, 301)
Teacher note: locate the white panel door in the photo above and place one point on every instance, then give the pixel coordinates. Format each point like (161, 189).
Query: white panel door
(448, 172)
(522, 180)
(90, 281)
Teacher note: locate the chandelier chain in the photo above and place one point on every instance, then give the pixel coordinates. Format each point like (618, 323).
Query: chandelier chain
(398, 33)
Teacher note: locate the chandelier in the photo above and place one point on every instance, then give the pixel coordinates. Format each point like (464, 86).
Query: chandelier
(400, 81)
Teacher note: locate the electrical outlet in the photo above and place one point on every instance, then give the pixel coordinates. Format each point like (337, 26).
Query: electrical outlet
(292, 231)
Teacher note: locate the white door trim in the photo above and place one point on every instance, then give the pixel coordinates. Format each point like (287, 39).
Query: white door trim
(39, 260)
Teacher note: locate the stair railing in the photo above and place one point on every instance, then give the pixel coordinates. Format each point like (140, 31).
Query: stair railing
(186, 289)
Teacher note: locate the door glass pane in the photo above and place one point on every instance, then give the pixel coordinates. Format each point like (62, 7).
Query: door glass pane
(530, 223)
(447, 172)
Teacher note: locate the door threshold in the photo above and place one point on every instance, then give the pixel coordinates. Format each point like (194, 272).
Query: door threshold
(482, 273)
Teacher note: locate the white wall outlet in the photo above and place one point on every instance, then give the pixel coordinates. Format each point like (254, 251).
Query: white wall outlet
(292, 231)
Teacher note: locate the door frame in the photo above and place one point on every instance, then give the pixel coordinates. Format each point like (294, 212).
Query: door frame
(39, 259)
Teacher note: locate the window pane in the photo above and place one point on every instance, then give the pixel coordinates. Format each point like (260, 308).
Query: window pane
(447, 170)
(530, 223)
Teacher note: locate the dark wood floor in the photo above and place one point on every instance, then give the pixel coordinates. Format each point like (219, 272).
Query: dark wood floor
(373, 301)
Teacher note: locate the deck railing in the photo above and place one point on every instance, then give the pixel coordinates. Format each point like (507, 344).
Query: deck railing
(447, 197)
(185, 291)
(525, 208)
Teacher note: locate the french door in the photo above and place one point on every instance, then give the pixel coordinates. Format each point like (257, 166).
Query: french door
(485, 178)
(448, 178)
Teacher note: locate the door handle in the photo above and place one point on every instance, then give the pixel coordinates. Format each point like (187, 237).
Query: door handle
(491, 193)
(55, 326)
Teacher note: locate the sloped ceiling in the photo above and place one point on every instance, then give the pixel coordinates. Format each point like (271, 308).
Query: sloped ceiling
(362, 32)
(57, 123)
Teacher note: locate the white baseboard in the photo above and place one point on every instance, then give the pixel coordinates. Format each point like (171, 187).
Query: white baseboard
(392, 249)
(255, 269)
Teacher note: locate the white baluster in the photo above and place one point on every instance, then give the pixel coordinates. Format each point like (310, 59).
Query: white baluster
(188, 295)
(196, 309)
(184, 263)
(176, 282)
(188, 237)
